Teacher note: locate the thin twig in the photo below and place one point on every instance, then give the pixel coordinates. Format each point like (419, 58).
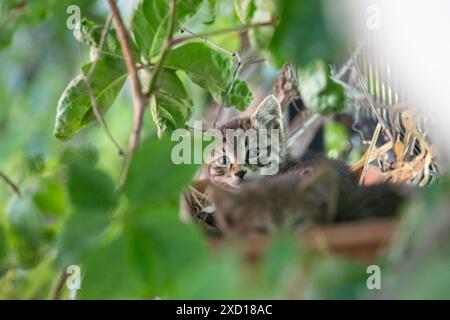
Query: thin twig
(15, 11)
(194, 35)
(139, 101)
(9, 182)
(222, 31)
(57, 291)
(370, 100)
(91, 95)
(369, 153)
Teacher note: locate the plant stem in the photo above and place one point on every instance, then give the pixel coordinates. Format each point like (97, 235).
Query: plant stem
(226, 30)
(57, 290)
(10, 183)
(139, 101)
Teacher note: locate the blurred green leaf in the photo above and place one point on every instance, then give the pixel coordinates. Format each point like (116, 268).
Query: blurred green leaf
(319, 92)
(154, 247)
(3, 246)
(212, 71)
(150, 23)
(93, 196)
(302, 34)
(337, 139)
(51, 197)
(91, 189)
(81, 231)
(108, 273)
(334, 278)
(25, 229)
(159, 244)
(211, 8)
(153, 176)
(87, 155)
(172, 107)
(15, 12)
(219, 277)
(428, 280)
(245, 10)
(35, 283)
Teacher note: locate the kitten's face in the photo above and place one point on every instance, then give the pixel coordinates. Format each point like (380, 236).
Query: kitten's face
(243, 155)
(283, 202)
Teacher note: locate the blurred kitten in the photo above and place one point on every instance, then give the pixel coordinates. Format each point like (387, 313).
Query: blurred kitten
(285, 202)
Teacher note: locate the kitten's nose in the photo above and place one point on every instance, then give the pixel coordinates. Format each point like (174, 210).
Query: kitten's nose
(241, 173)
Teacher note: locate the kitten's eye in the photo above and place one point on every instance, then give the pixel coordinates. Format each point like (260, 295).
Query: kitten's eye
(224, 160)
(253, 153)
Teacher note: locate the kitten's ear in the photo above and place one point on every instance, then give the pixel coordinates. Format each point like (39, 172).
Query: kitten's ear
(225, 202)
(319, 190)
(268, 114)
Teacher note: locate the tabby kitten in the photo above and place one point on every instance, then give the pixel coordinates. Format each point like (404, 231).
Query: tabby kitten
(242, 156)
(225, 169)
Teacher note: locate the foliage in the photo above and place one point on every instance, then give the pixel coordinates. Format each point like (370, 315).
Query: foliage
(130, 242)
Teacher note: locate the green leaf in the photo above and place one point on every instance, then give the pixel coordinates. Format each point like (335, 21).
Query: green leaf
(91, 189)
(93, 196)
(302, 34)
(144, 260)
(159, 244)
(108, 273)
(211, 70)
(319, 92)
(333, 278)
(254, 12)
(211, 8)
(150, 23)
(51, 197)
(240, 96)
(3, 246)
(86, 154)
(74, 110)
(153, 176)
(172, 106)
(25, 229)
(245, 10)
(337, 139)
(90, 34)
(80, 232)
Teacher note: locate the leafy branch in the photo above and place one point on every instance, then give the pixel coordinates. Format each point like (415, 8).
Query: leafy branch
(139, 99)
